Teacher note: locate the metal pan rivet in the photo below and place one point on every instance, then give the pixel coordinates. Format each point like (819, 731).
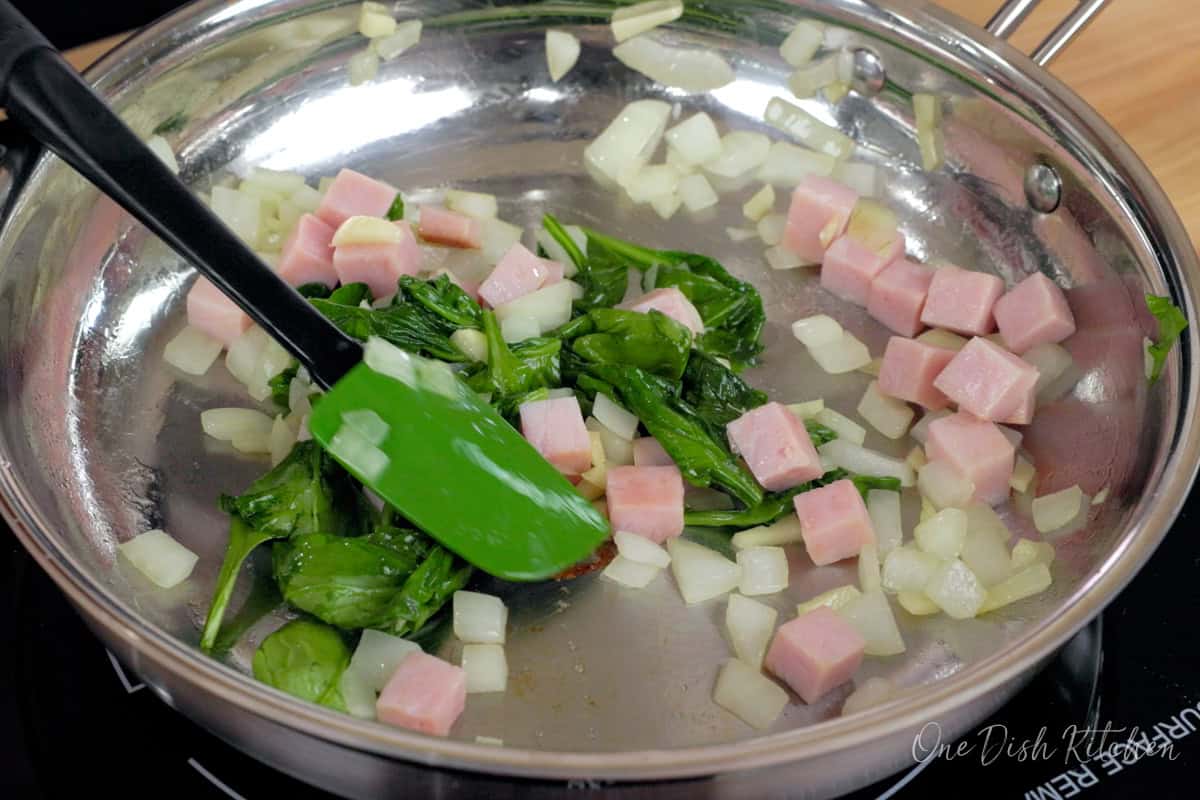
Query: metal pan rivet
(1043, 188)
(869, 74)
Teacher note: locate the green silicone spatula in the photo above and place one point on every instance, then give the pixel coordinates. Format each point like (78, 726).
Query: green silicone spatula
(408, 428)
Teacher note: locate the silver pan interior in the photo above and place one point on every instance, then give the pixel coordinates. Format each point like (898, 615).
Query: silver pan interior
(99, 440)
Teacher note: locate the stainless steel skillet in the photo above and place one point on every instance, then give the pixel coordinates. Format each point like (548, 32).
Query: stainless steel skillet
(99, 439)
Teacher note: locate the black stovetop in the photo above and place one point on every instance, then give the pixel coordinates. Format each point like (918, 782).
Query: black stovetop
(68, 709)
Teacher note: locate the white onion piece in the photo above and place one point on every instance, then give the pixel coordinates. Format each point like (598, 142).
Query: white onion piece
(496, 238)
(808, 409)
(489, 740)
(562, 53)
(192, 351)
(1022, 475)
(889, 416)
(486, 668)
(771, 229)
(701, 574)
(618, 450)
(741, 234)
(363, 66)
(299, 391)
(281, 440)
(164, 561)
(817, 330)
(1026, 552)
(956, 590)
(473, 204)
(1050, 360)
(374, 20)
(780, 258)
(368, 423)
(407, 35)
(695, 140)
(936, 337)
(629, 21)
(303, 434)
(987, 555)
(943, 534)
(886, 518)
(741, 152)
(305, 199)
(873, 692)
(228, 424)
(760, 204)
(916, 458)
(813, 77)
(359, 698)
(862, 178)
(1031, 580)
(519, 328)
(1053, 511)
(651, 182)
(846, 428)
(802, 43)
(917, 603)
(627, 572)
(764, 570)
(747, 693)
(243, 360)
(697, 193)
(472, 343)
(927, 109)
(367, 230)
(1100, 497)
(666, 205)
(692, 70)
(920, 431)
(614, 417)
(629, 141)
(871, 615)
(479, 618)
(796, 122)
(835, 599)
(787, 165)
(358, 454)
(241, 212)
(845, 355)
(641, 550)
(907, 569)
(159, 146)
(784, 531)
(869, 576)
(945, 486)
(750, 625)
(377, 657)
(559, 393)
(550, 307)
(278, 181)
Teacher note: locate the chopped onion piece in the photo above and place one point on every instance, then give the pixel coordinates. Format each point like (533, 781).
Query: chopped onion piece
(377, 657)
(771, 229)
(874, 225)
(486, 668)
(387, 359)
(496, 238)
(916, 459)
(936, 337)
(1022, 476)
(869, 577)
(927, 509)
(192, 351)
(813, 77)
(871, 615)
(490, 740)
(368, 423)
(920, 431)
(802, 43)
(550, 307)
(628, 572)
(835, 91)
(862, 178)
(817, 330)
(666, 205)
(917, 603)
(780, 258)
(987, 555)
(472, 204)
(562, 53)
(889, 416)
(1053, 511)
(701, 574)
(750, 625)
(741, 152)
(652, 182)
(629, 21)
(845, 355)
(1027, 552)
(641, 550)
(357, 454)
(618, 450)
(367, 230)
(164, 561)
(159, 146)
(598, 474)
(359, 698)
(787, 165)
(927, 109)
(629, 141)
(281, 440)
(363, 66)
(808, 409)
(886, 518)
(956, 590)
(944, 485)
(760, 204)
(518, 329)
(907, 569)
(690, 69)
(228, 424)
(764, 570)
(834, 599)
(407, 35)
(1100, 497)
(943, 534)
(872, 368)
(240, 211)
(747, 693)
(741, 234)
(472, 343)
(796, 122)
(479, 618)
(589, 490)
(784, 531)
(697, 193)
(614, 417)
(1051, 361)
(695, 140)
(1032, 580)
(873, 692)
(375, 21)
(846, 428)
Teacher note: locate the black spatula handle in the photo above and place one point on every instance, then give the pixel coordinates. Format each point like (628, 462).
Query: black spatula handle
(43, 94)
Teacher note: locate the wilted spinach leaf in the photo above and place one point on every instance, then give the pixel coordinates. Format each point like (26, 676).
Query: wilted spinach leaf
(1171, 323)
(305, 659)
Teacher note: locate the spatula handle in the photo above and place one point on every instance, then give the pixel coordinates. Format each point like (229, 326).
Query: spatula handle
(47, 97)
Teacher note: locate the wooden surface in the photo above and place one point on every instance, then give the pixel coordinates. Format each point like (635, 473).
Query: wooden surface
(1138, 64)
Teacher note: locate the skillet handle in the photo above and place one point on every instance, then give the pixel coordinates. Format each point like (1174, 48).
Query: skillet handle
(1010, 16)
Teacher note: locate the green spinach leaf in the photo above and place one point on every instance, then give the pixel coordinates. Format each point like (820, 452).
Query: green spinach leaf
(396, 210)
(819, 433)
(603, 274)
(1171, 323)
(281, 387)
(305, 659)
(351, 294)
(444, 299)
(653, 342)
(716, 393)
(314, 290)
(427, 589)
(242, 541)
(512, 372)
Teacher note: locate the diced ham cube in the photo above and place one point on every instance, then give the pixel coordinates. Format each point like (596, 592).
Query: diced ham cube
(815, 652)
(441, 226)
(424, 694)
(776, 446)
(307, 255)
(962, 301)
(519, 273)
(833, 522)
(212, 312)
(819, 212)
(647, 452)
(379, 266)
(897, 296)
(556, 429)
(353, 194)
(988, 381)
(647, 501)
(976, 449)
(909, 369)
(1034, 312)
(673, 303)
(850, 267)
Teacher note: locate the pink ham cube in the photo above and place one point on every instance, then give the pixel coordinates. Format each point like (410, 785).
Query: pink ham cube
(776, 446)
(1034, 312)
(909, 369)
(647, 501)
(815, 652)
(833, 522)
(379, 266)
(353, 194)
(988, 381)
(307, 255)
(519, 273)
(424, 694)
(962, 301)
(556, 430)
(850, 267)
(976, 449)
(897, 296)
(820, 209)
(647, 452)
(441, 226)
(673, 303)
(212, 312)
